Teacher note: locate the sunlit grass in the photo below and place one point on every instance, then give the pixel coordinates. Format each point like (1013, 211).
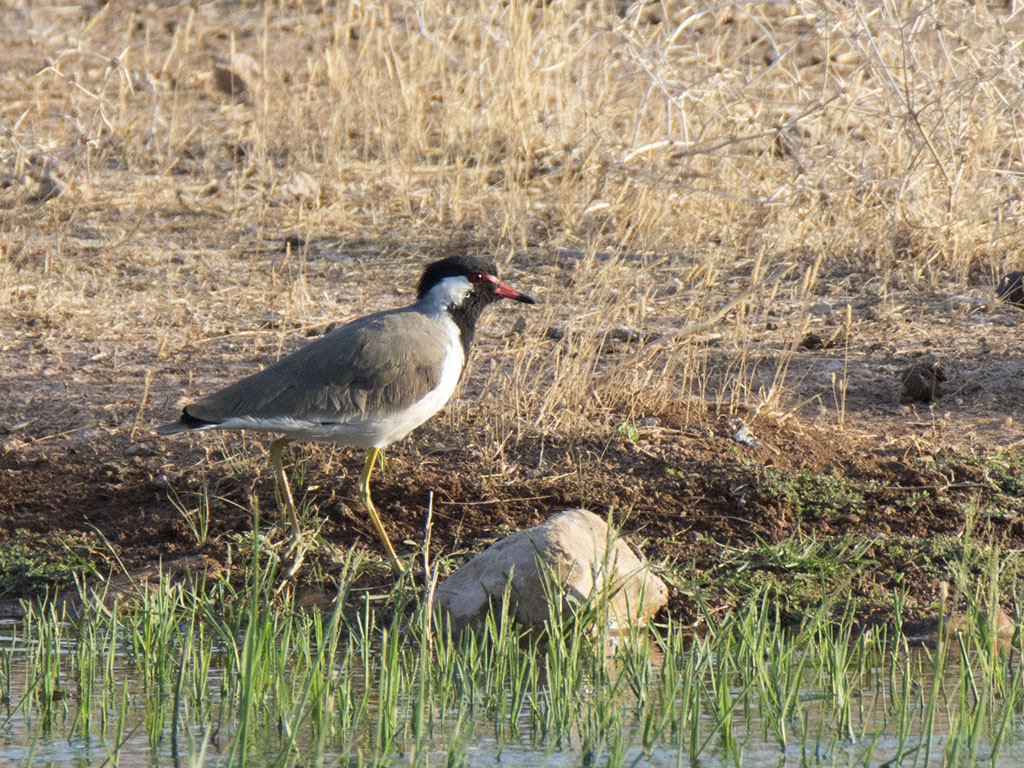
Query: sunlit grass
(647, 166)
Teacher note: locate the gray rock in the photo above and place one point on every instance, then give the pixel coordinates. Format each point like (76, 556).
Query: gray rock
(572, 547)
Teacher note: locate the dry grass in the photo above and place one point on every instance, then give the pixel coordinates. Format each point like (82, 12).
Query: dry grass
(638, 165)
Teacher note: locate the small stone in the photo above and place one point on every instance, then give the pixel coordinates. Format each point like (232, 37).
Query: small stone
(627, 335)
(923, 382)
(814, 341)
(45, 172)
(811, 341)
(554, 333)
(271, 320)
(237, 76)
(743, 436)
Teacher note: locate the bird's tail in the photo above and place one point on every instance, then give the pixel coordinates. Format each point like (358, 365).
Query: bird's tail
(187, 423)
(172, 429)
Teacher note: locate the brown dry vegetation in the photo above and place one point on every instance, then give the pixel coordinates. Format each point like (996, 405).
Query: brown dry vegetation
(189, 188)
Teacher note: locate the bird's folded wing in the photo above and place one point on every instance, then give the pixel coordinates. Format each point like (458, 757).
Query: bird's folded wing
(364, 370)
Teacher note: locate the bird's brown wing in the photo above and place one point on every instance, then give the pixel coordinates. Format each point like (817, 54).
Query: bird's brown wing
(368, 368)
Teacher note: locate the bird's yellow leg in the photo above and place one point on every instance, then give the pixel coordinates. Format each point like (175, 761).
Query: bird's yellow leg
(363, 487)
(297, 546)
(282, 482)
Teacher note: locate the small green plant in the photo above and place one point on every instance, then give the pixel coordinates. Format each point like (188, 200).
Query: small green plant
(197, 515)
(628, 430)
(33, 563)
(812, 496)
(1002, 471)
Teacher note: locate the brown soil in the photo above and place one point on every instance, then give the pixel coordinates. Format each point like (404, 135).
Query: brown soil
(79, 458)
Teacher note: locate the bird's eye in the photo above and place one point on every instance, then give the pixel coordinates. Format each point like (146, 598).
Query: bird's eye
(476, 278)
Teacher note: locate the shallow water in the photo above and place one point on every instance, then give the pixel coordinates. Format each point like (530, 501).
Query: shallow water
(131, 719)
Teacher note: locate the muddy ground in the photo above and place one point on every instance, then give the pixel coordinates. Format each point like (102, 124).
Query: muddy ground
(83, 479)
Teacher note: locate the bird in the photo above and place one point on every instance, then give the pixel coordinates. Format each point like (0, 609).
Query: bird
(365, 384)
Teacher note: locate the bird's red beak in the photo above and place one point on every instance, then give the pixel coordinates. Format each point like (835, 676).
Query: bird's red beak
(507, 292)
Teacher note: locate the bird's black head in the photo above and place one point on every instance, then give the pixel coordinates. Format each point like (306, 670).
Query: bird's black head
(465, 305)
(479, 271)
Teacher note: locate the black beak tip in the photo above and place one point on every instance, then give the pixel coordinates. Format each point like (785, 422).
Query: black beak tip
(522, 297)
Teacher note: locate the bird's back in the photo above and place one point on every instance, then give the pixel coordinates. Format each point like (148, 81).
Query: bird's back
(364, 371)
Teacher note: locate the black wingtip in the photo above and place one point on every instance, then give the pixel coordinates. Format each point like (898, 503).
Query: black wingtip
(186, 423)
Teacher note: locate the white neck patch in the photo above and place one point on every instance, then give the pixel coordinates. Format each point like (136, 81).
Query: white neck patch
(451, 291)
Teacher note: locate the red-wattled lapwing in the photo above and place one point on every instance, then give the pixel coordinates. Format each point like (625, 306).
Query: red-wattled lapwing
(366, 384)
